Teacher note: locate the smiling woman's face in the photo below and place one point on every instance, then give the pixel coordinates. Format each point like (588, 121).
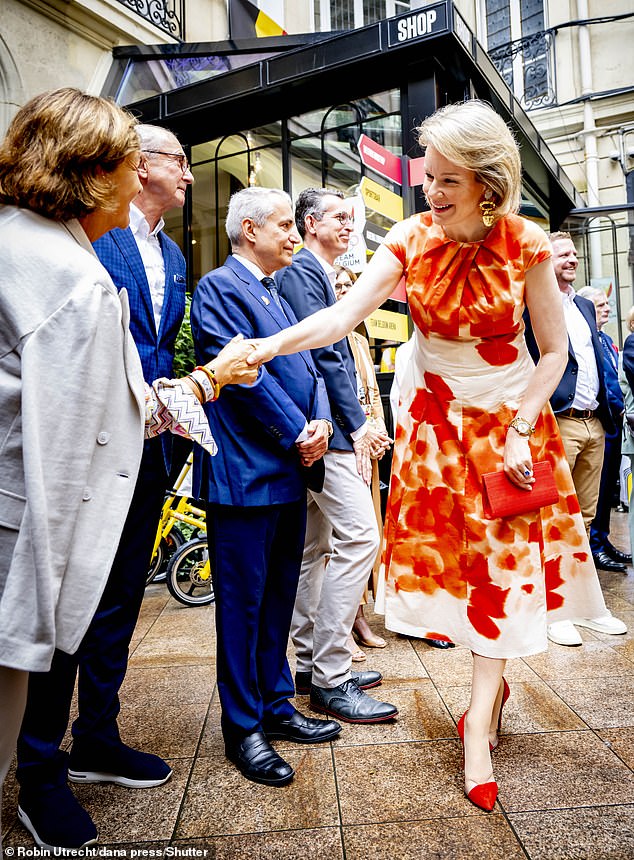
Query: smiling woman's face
(454, 196)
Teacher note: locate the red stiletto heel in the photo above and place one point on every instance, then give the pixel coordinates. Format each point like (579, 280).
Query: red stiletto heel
(505, 696)
(506, 692)
(482, 795)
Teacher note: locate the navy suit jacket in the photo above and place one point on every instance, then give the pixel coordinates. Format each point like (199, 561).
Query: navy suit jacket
(611, 373)
(628, 360)
(564, 394)
(255, 426)
(119, 253)
(305, 286)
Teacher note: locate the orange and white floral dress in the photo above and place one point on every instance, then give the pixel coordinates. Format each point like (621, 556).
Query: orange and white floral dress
(492, 585)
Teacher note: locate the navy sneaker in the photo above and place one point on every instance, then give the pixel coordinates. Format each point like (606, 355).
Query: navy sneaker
(55, 818)
(119, 764)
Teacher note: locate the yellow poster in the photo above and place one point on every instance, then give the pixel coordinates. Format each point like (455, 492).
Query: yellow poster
(381, 199)
(387, 325)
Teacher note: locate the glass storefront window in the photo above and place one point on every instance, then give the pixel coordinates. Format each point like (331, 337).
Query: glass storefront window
(221, 167)
(321, 150)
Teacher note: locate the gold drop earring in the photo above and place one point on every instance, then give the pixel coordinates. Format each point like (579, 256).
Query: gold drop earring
(487, 207)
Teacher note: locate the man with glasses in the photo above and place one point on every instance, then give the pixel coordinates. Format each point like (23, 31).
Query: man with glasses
(341, 535)
(151, 267)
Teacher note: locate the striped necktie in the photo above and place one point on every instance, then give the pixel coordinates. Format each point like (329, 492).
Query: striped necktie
(271, 286)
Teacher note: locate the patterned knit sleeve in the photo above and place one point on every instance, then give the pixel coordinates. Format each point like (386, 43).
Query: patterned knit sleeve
(169, 405)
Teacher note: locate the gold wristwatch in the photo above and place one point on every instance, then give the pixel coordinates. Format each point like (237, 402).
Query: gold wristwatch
(522, 427)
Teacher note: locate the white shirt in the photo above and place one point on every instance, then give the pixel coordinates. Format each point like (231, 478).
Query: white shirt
(150, 250)
(587, 387)
(257, 272)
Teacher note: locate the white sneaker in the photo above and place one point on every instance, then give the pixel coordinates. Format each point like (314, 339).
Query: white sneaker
(564, 633)
(605, 624)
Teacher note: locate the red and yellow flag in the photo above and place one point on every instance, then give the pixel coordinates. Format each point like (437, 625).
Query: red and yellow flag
(247, 21)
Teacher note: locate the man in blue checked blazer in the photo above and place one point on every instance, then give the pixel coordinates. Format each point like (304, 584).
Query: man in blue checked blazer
(150, 266)
(271, 437)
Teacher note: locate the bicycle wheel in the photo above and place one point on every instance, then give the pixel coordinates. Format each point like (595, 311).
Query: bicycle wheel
(189, 574)
(166, 549)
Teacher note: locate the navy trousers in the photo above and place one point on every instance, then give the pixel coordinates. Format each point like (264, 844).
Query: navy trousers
(255, 555)
(100, 663)
(600, 527)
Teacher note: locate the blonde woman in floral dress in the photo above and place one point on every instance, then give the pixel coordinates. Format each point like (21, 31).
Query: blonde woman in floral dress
(472, 401)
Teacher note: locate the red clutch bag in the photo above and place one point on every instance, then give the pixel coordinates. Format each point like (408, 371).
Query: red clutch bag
(504, 499)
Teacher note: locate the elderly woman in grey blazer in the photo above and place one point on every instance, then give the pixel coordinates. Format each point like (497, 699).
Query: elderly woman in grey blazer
(74, 407)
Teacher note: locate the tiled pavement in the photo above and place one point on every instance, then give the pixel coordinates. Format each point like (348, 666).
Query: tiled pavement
(565, 762)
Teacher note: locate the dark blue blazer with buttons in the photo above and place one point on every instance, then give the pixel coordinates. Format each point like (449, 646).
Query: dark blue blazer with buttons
(119, 253)
(564, 394)
(305, 285)
(255, 426)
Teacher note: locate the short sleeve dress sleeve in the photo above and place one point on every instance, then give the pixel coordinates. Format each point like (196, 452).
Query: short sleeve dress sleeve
(535, 245)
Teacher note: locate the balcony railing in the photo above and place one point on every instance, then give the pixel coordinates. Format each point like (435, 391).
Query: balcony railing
(537, 87)
(167, 15)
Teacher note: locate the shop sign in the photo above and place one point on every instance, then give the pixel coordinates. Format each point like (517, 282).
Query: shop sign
(374, 235)
(416, 171)
(380, 159)
(387, 325)
(381, 199)
(419, 25)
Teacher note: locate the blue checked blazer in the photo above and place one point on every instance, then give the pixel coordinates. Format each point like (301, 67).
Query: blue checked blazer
(119, 253)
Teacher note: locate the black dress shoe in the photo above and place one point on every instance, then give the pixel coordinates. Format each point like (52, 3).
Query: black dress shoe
(363, 680)
(616, 554)
(301, 729)
(602, 561)
(256, 759)
(439, 643)
(349, 703)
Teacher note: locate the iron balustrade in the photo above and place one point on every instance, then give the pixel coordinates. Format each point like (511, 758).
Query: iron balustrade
(537, 53)
(167, 15)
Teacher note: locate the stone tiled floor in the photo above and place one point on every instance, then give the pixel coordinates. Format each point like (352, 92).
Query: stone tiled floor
(565, 763)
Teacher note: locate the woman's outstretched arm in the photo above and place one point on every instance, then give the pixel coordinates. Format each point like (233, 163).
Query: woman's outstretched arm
(373, 287)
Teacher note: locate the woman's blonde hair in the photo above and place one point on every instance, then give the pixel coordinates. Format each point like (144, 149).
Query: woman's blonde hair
(55, 144)
(473, 136)
(630, 319)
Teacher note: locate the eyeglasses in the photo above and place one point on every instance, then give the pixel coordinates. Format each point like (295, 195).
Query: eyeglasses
(343, 218)
(182, 158)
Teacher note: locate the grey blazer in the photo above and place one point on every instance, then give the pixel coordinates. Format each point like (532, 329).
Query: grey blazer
(71, 434)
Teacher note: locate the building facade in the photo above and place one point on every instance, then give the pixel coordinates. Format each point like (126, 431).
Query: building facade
(564, 61)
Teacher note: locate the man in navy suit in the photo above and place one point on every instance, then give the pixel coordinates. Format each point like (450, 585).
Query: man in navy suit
(580, 404)
(269, 435)
(151, 267)
(342, 537)
(606, 556)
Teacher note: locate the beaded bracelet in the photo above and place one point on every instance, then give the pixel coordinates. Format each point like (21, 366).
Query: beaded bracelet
(211, 376)
(202, 386)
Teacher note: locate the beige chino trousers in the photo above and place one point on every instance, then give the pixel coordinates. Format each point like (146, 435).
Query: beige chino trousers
(584, 444)
(342, 540)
